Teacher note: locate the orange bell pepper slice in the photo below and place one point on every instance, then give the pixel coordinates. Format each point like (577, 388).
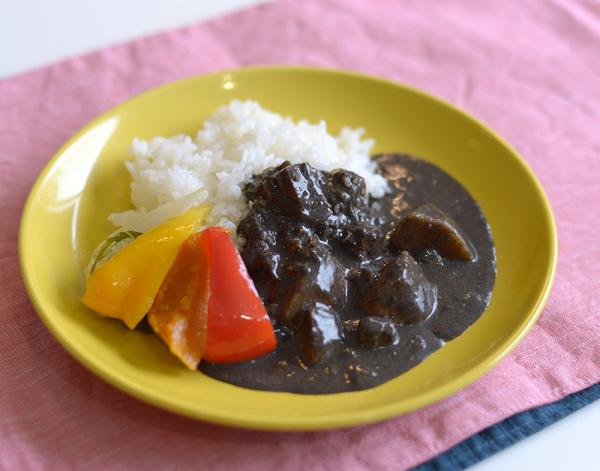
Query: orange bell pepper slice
(180, 310)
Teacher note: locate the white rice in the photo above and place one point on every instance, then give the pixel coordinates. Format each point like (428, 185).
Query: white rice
(170, 175)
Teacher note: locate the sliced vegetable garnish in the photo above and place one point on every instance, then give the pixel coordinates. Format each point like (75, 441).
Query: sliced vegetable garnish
(108, 248)
(239, 328)
(180, 311)
(124, 287)
(143, 222)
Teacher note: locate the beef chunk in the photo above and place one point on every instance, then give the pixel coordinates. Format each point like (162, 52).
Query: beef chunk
(347, 194)
(257, 188)
(259, 257)
(298, 190)
(320, 332)
(324, 282)
(429, 227)
(362, 240)
(298, 238)
(401, 292)
(377, 332)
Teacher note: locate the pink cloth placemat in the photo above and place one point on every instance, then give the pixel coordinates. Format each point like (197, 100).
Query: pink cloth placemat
(530, 69)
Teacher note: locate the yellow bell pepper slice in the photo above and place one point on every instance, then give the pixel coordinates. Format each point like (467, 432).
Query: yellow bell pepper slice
(125, 286)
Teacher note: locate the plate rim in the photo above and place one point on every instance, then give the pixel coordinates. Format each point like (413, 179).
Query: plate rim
(387, 411)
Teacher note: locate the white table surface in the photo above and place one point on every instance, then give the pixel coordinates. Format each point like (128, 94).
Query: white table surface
(36, 32)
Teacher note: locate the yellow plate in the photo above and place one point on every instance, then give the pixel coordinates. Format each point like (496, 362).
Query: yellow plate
(65, 217)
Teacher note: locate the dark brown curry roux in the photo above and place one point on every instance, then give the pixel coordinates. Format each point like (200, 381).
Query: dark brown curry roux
(353, 304)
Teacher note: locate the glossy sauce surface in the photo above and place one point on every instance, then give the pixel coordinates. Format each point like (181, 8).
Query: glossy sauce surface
(351, 309)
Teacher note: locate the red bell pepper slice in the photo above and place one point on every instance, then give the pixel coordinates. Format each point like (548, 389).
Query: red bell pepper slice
(239, 328)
